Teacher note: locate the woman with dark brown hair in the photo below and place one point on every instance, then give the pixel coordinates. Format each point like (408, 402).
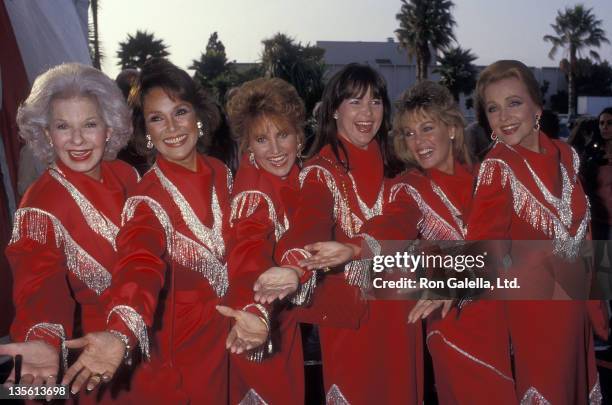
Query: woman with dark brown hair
(370, 354)
(171, 271)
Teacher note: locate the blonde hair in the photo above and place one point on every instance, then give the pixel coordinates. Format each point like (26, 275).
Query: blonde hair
(435, 101)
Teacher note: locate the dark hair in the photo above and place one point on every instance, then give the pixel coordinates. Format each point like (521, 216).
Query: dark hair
(607, 110)
(159, 72)
(353, 80)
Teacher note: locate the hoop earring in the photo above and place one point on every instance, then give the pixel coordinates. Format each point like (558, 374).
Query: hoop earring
(493, 136)
(252, 160)
(149, 143)
(537, 122)
(200, 130)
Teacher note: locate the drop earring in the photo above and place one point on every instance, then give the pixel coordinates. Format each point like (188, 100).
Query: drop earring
(200, 130)
(537, 122)
(149, 143)
(493, 136)
(252, 160)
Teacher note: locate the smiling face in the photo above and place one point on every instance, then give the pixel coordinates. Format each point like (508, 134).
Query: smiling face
(78, 134)
(428, 139)
(359, 119)
(274, 144)
(511, 113)
(172, 125)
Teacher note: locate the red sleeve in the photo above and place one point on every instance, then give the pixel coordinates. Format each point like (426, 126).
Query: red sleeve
(491, 213)
(250, 250)
(313, 220)
(138, 275)
(398, 223)
(41, 294)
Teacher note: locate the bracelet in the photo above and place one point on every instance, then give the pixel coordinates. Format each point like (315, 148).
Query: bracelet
(126, 358)
(266, 316)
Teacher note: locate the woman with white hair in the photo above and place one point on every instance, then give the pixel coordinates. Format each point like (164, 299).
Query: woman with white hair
(63, 241)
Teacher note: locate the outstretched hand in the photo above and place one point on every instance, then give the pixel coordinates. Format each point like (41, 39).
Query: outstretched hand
(39, 365)
(249, 330)
(328, 254)
(276, 283)
(102, 355)
(424, 308)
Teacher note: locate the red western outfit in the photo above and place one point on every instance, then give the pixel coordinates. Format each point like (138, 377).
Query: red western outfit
(63, 249)
(262, 208)
(524, 195)
(370, 354)
(469, 346)
(169, 276)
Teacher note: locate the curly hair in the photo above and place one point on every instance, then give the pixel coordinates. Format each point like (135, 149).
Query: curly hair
(433, 100)
(66, 81)
(161, 73)
(504, 69)
(272, 98)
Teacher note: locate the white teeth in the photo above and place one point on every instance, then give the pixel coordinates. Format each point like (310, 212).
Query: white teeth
(174, 140)
(424, 152)
(79, 153)
(277, 159)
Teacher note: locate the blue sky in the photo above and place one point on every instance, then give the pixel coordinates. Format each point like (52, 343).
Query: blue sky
(493, 29)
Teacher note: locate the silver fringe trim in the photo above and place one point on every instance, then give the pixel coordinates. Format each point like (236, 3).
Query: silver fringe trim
(376, 209)
(530, 209)
(136, 324)
(304, 292)
(230, 179)
(468, 355)
(595, 396)
(335, 396)
(258, 354)
(213, 238)
(138, 177)
(183, 250)
(533, 397)
(252, 398)
(78, 261)
(97, 221)
(341, 211)
(55, 330)
(431, 225)
(245, 203)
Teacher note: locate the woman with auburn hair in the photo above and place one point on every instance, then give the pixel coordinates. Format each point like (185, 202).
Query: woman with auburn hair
(267, 120)
(63, 245)
(171, 271)
(370, 354)
(528, 189)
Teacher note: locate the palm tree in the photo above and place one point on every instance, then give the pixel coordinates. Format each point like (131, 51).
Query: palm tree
(94, 36)
(425, 25)
(457, 72)
(135, 51)
(576, 29)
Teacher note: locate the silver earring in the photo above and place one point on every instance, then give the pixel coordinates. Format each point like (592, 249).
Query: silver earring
(537, 123)
(299, 151)
(336, 115)
(50, 142)
(149, 143)
(493, 136)
(200, 130)
(252, 160)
